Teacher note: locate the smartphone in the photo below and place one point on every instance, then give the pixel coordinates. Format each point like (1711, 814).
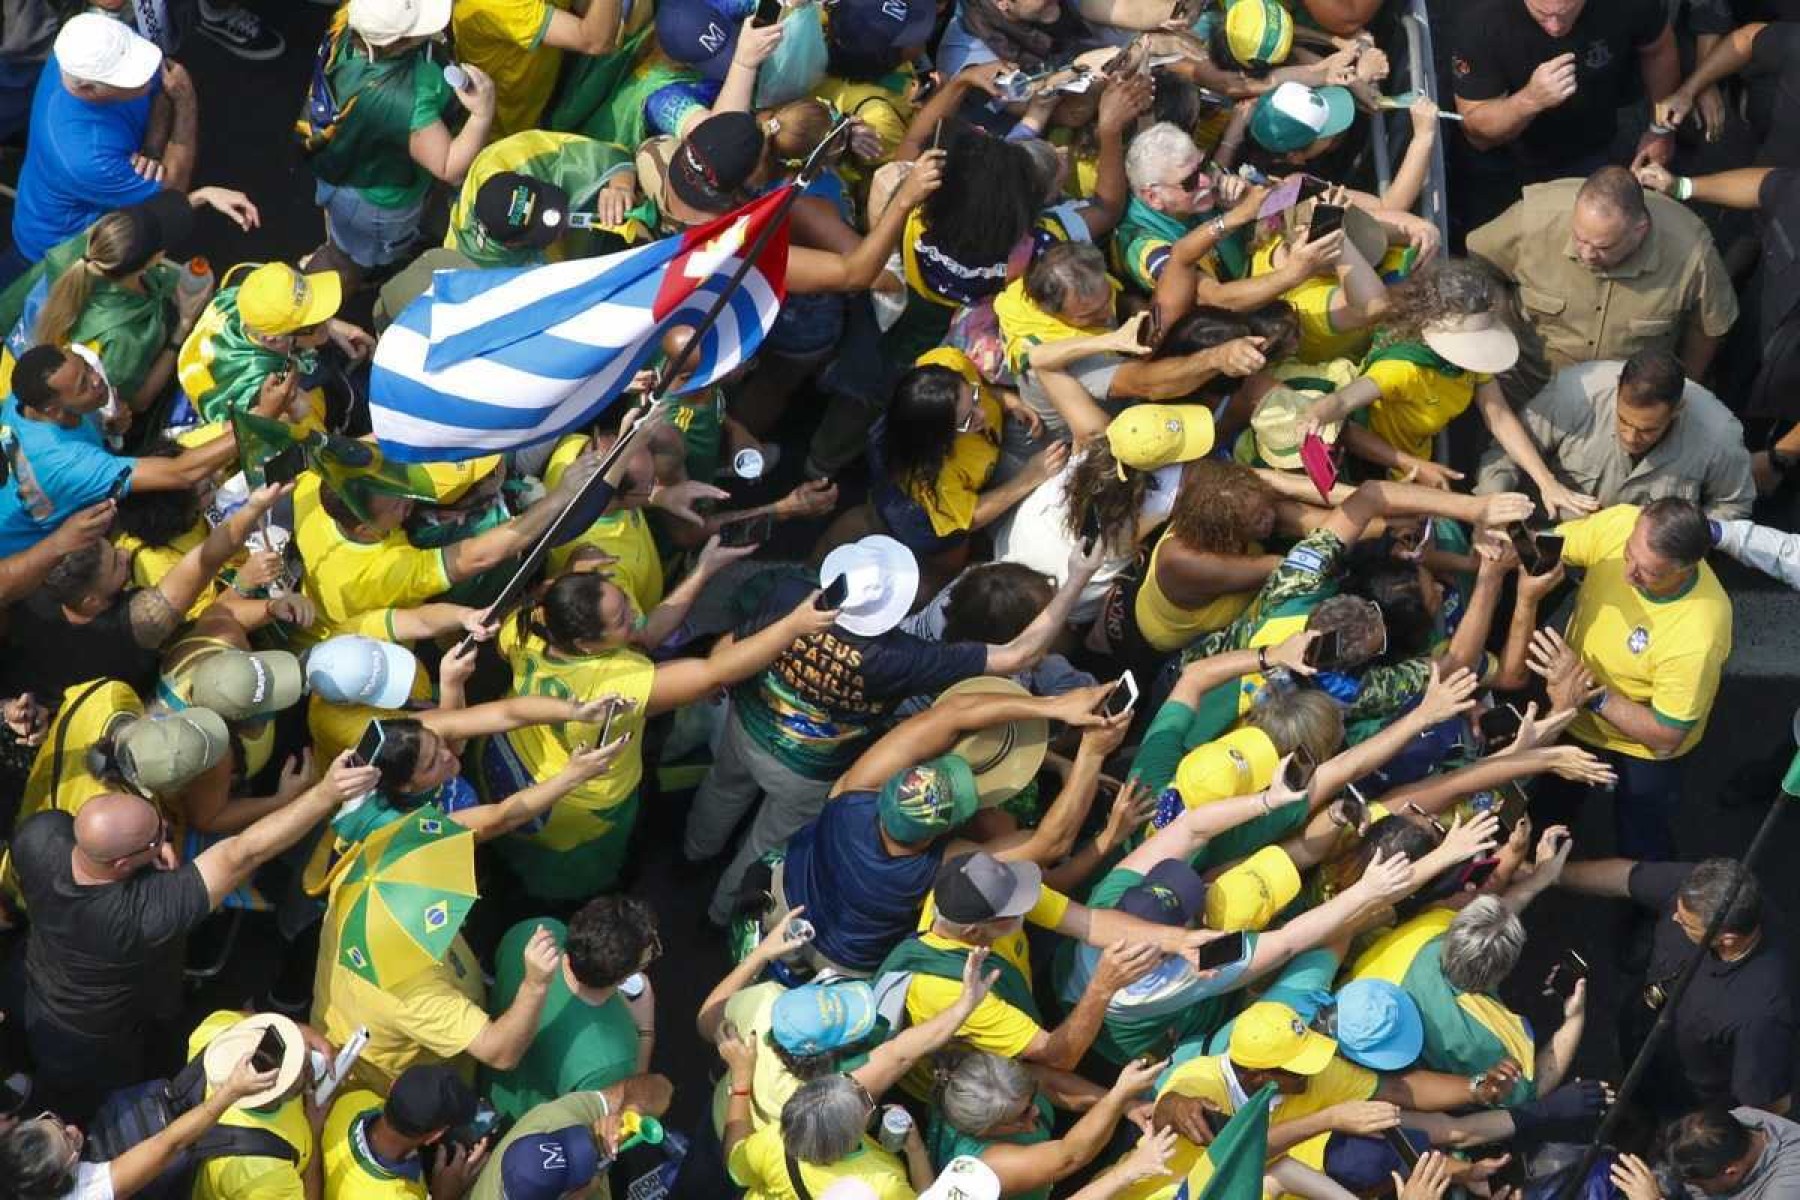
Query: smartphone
(117, 491)
(1150, 332)
(612, 710)
(1549, 548)
(1525, 544)
(753, 532)
(1220, 953)
(1510, 803)
(1327, 219)
(1300, 769)
(1122, 698)
(1090, 529)
(1325, 652)
(284, 467)
(1499, 726)
(767, 13)
(370, 744)
(1355, 807)
(1402, 1146)
(269, 1052)
(834, 594)
(1317, 462)
(1570, 969)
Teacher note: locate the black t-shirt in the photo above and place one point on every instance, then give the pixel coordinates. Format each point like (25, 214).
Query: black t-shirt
(1773, 79)
(103, 959)
(1734, 1030)
(47, 654)
(1719, 17)
(1778, 227)
(1496, 45)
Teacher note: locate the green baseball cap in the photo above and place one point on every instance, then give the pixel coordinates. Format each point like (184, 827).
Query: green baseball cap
(238, 685)
(928, 799)
(1292, 116)
(159, 753)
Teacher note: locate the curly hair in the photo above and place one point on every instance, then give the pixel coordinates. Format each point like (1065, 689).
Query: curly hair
(1445, 288)
(1217, 504)
(607, 938)
(981, 223)
(1095, 486)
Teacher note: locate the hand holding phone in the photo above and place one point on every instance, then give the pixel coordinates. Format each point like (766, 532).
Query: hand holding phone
(1327, 219)
(270, 1052)
(767, 13)
(1221, 952)
(368, 747)
(834, 595)
(1121, 699)
(1325, 652)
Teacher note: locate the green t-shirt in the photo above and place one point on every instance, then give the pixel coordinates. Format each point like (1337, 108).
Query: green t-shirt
(580, 1108)
(579, 1047)
(945, 1141)
(393, 99)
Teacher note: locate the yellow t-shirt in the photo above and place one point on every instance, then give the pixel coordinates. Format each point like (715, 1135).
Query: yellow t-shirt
(886, 110)
(1388, 957)
(252, 1177)
(505, 38)
(624, 534)
(430, 1018)
(1204, 1079)
(758, 1164)
(351, 1173)
(1320, 340)
(346, 579)
(752, 1013)
(150, 563)
(949, 504)
(1665, 652)
(86, 724)
(1166, 625)
(544, 749)
(1417, 403)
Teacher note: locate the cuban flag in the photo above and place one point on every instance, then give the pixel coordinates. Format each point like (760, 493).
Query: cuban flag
(486, 361)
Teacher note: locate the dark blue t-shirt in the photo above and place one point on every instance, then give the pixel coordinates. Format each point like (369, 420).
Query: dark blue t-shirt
(78, 165)
(861, 900)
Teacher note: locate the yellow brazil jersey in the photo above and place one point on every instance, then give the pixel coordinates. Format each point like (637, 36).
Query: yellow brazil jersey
(543, 750)
(1166, 625)
(429, 1018)
(1320, 340)
(252, 1177)
(352, 1171)
(1417, 403)
(950, 502)
(1205, 1080)
(505, 38)
(758, 1164)
(883, 105)
(624, 534)
(1666, 652)
(150, 563)
(346, 578)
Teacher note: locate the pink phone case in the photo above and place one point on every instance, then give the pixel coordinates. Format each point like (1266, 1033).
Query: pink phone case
(1315, 456)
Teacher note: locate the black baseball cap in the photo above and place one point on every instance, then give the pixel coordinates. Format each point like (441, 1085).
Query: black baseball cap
(427, 1099)
(711, 166)
(161, 223)
(1170, 894)
(517, 210)
(978, 887)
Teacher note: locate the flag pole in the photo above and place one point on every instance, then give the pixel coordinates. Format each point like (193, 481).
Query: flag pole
(515, 586)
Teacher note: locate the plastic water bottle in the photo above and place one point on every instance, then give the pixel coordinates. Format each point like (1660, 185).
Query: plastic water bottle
(896, 1123)
(196, 280)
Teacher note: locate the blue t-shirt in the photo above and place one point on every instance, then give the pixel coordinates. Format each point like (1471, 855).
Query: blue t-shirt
(861, 900)
(78, 165)
(54, 472)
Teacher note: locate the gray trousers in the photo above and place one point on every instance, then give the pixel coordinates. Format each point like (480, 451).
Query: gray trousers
(741, 771)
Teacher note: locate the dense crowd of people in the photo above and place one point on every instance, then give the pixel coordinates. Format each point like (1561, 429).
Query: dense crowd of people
(1108, 697)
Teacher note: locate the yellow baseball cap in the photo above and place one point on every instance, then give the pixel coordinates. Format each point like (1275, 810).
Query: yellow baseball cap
(1148, 437)
(1241, 762)
(1272, 1037)
(451, 481)
(1259, 33)
(1253, 893)
(276, 299)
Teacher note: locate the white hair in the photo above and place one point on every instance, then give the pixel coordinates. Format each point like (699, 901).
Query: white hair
(1154, 151)
(1482, 945)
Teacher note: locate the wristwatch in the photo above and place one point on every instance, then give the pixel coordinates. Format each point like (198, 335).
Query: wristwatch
(1598, 700)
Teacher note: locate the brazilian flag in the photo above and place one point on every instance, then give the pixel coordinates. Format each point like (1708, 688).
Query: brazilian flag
(1231, 1168)
(353, 469)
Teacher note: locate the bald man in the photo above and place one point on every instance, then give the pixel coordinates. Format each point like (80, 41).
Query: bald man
(111, 906)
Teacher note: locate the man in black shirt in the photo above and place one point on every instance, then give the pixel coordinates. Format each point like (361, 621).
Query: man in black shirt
(1546, 78)
(111, 905)
(1733, 1037)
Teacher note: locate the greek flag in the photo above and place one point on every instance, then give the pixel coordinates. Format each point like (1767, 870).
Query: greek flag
(493, 360)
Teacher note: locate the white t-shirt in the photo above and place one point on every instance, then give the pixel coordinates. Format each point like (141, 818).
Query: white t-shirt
(1036, 534)
(93, 1181)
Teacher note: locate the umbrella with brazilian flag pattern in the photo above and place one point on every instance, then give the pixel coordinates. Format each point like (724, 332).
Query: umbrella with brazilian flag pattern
(400, 903)
(1231, 1168)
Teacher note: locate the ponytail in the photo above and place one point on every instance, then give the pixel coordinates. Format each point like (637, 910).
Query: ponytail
(108, 241)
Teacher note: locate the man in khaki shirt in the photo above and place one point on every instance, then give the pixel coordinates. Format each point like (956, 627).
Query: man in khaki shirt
(1603, 271)
(1632, 432)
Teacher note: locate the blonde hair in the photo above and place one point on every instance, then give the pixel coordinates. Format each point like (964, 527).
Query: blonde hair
(108, 241)
(791, 131)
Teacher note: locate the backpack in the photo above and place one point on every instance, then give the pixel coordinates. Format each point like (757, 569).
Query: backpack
(133, 1114)
(320, 114)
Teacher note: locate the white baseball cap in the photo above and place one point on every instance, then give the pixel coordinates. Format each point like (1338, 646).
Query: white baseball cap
(382, 22)
(353, 669)
(964, 1178)
(882, 578)
(98, 49)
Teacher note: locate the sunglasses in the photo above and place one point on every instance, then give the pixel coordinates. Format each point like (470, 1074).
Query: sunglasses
(967, 424)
